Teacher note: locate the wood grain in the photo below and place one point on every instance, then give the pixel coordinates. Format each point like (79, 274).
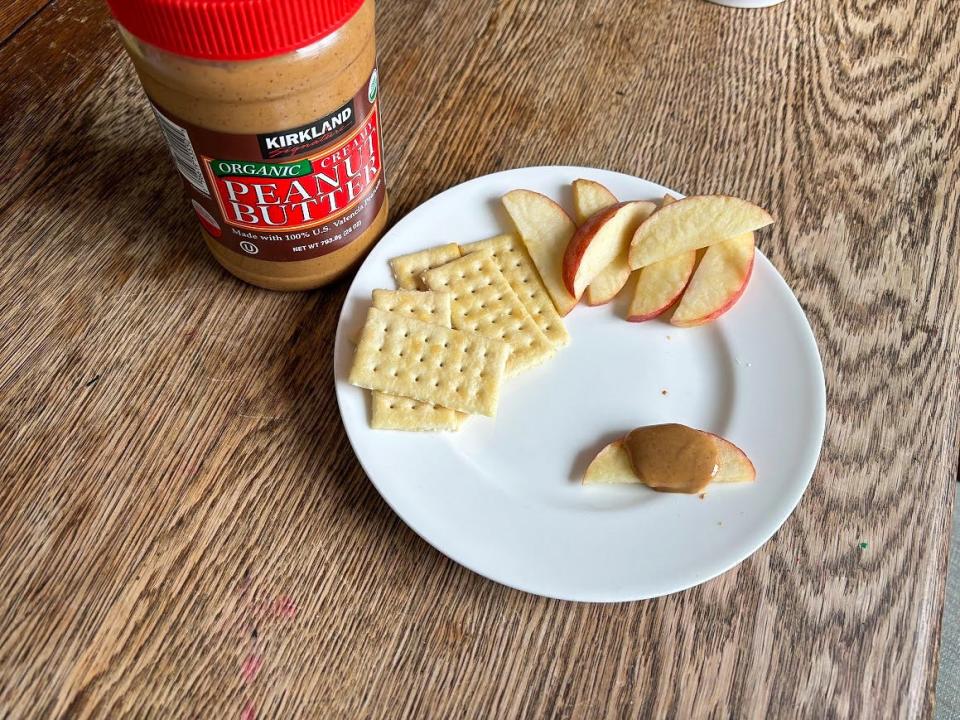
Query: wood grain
(184, 531)
(14, 14)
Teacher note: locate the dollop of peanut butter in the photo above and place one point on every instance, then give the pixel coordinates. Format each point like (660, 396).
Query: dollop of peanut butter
(673, 457)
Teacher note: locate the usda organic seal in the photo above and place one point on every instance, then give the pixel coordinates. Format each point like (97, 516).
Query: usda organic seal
(374, 86)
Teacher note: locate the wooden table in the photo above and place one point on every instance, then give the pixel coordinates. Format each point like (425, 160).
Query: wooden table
(184, 531)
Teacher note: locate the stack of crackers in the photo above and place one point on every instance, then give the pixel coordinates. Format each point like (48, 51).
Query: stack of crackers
(464, 317)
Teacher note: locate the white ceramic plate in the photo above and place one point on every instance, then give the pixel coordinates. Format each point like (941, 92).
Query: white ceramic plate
(502, 496)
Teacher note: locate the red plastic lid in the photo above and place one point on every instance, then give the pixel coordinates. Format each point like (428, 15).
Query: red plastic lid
(232, 29)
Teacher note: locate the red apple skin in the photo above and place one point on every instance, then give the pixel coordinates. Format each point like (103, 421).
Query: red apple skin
(720, 311)
(577, 247)
(659, 311)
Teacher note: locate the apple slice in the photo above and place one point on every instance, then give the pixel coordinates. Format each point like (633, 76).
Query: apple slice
(718, 283)
(608, 284)
(693, 223)
(599, 242)
(735, 466)
(545, 229)
(611, 466)
(589, 198)
(660, 285)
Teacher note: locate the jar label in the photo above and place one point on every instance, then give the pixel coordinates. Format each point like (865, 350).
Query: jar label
(293, 194)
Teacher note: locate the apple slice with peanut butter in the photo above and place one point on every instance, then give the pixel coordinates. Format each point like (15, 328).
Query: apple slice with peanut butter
(670, 458)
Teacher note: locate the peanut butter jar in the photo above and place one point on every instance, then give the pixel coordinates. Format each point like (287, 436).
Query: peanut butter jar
(270, 111)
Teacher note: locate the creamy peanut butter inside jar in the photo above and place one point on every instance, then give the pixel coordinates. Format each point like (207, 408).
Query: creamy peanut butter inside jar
(270, 110)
